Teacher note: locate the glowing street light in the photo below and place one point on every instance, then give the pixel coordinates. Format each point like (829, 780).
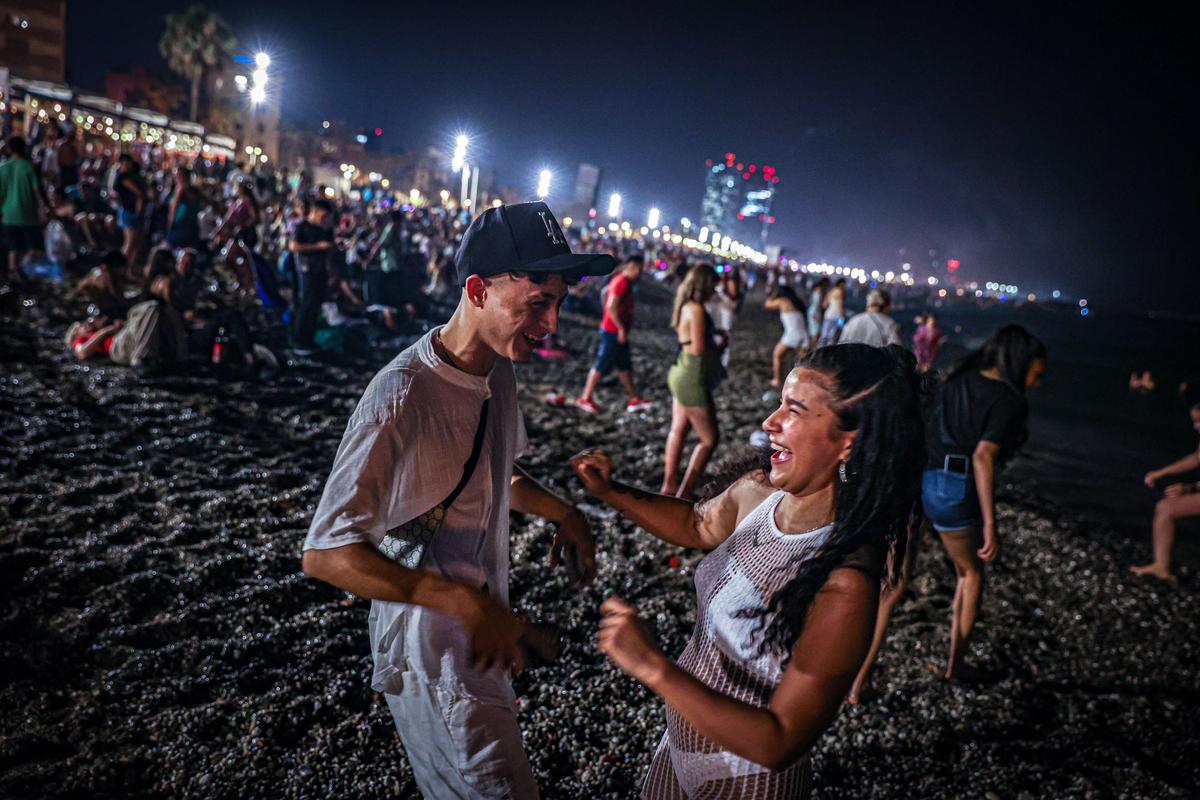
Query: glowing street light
(543, 186)
(652, 219)
(459, 164)
(614, 205)
(703, 234)
(258, 89)
(460, 152)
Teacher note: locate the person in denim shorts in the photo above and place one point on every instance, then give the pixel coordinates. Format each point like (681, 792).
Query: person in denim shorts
(977, 422)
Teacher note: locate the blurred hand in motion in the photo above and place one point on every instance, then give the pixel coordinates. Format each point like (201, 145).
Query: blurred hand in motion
(595, 471)
(574, 548)
(1150, 479)
(624, 639)
(495, 633)
(991, 544)
(1178, 489)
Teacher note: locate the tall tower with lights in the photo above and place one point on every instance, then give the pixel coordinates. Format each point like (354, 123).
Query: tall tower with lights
(738, 197)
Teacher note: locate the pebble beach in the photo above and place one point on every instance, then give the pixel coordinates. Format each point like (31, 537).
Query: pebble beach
(159, 638)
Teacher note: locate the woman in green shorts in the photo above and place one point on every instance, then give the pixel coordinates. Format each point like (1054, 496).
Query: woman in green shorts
(692, 379)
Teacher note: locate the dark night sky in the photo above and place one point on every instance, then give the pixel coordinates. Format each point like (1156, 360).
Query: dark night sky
(1040, 150)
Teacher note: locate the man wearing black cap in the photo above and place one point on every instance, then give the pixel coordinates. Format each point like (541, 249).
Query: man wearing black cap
(415, 512)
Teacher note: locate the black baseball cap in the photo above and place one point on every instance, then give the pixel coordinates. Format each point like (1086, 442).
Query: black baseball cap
(523, 237)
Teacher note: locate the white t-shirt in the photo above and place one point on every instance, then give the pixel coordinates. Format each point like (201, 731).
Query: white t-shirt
(402, 453)
(871, 327)
(723, 310)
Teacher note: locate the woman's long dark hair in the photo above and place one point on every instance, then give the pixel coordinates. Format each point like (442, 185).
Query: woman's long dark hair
(1010, 350)
(787, 292)
(877, 392)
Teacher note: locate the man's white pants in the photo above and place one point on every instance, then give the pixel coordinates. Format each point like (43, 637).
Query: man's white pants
(460, 747)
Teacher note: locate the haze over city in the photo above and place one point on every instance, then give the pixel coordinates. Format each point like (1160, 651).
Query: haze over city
(1037, 146)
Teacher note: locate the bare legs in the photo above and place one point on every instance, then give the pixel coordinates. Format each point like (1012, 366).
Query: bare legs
(962, 546)
(84, 221)
(675, 439)
(887, 604)
(683, 419)
(131, 244)
(593, 380)
(627, 381)
(777, 363)
(1166, 512)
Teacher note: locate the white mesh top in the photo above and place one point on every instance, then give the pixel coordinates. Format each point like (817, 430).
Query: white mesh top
(740, 575)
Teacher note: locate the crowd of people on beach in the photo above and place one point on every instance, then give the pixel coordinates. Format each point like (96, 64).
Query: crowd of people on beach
(180, 259)
(870, 447)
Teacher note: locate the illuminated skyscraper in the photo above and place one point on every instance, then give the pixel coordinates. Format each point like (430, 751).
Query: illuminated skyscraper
(722, 195)
(738, 198)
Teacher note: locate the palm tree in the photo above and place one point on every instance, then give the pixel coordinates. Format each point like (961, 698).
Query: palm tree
(196, 42)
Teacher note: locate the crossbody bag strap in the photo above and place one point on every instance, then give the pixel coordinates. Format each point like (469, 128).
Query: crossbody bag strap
(473, 459)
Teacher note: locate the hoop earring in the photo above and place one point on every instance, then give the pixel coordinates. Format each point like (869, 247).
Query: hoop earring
(842, 472)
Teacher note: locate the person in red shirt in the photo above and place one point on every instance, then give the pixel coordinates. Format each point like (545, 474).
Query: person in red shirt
(614, 339)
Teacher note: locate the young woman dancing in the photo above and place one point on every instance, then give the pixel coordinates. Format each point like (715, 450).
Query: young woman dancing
(787, 595)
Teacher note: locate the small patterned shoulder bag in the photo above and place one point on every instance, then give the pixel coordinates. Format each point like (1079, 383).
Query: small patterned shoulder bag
(406, 543)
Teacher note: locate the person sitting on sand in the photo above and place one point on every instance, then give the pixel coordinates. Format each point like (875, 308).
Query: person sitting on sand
(153, 334)
(107, 285)
(1179, 500)
(787, 593)
(977, 422)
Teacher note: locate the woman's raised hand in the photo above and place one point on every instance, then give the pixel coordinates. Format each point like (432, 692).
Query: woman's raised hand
(594, 470)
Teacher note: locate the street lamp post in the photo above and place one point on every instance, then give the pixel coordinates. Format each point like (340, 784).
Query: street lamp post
(258, 89)
(459, 164)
